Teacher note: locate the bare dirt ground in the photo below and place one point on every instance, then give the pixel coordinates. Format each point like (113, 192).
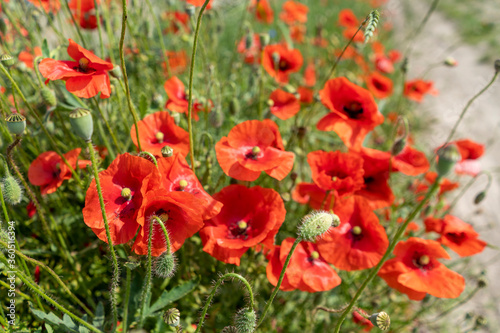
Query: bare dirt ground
(456, 86)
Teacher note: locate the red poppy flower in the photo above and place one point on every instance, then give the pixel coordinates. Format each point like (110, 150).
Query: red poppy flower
(456, 234)
(359, 242)
(177, 61)
(31, 209)
(199, 3)
(310, 75)
(180, 213)
(47, 5)
(298, 33)
(354, 34)
(280, 62)
(28, 57)
(306, 95)
(83, 6)
(250, 47)
(379, 85)
(251, 147)
(342, 172)
(85, 77)
(416, 89)
(284, 105)
(312, 195)
(354, 112)
(359, 319)
(124, 185)
(158, 130)
(263, 11)
(179, 21)
(416, 271)
(470, 152)
(177, 176)
(83, 12)
(49, 171)
(294, 12)
(347, 19)
(307, 270)
(250, 216)
(410, 162)
(178, 99)
(421, 187)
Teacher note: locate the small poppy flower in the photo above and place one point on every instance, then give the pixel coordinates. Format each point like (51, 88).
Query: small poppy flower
(314, 196)
(294, 12)
(298, 33)
(47, 5)
(251, 147)
(263, 11)
(347, 19)
(85, 77)
(179, 22)
(49, 171)
(416, 271)
(250, 48)
(307, 270)
(410, 162)
(177, 61)
(180, 214)
(342, 172)
(445, 185)
(250, 216)
(280, 62)
(416, 89)
(456, 234)
(83, 6)
(306, 95)
(284, 104)
(200, 3)
(359, 242)
(124, 185)
(28, 57)
(310, 75)
(354, 34)
(158, 130)
(178, 98)
(470, 151)
(379, 85)
(84, 13)
(354, 112)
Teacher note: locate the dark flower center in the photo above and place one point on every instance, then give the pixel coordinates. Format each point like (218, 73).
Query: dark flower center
(456, 238)
(254, 153)
(314, 256)
(354, 110)
(356, 233)
(239, 230)
(422, 261)
(283, 65)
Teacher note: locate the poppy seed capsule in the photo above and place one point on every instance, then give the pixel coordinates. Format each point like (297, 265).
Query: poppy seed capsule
(316, 224)
(165, 265)
(82, 124)
(479, 197)
(7, 60)
(16, 123)
(172, 317)
(245, 320)
(159, 137)
(381, 320)
(448, 157)
(167, 151)
(83, 63)
(12, 191)
(126, 193)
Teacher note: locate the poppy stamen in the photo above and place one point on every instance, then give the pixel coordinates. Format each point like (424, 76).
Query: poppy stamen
(353, 110)
(423, 260)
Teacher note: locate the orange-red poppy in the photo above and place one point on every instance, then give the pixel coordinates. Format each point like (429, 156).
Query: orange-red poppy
(178, 99)
(85, 77)
(470, 151)
(294, 12)
(263, 11)
(158, 130)
(47, 5)
(310, 74)
(49, 171)
(298, 33)
(251, 147)
(416, 89)
(354, 34)
(416, 271)
(29, 56)
(347, 19)
(410, 162)
(314, 196)
(250, 48)
(177, 61)
(199, 3)
(306, 95)
(284, 104)
(354, 112)
(250, 216)
(179, 22)
(380, 86)
(279, 61)
(307, 270)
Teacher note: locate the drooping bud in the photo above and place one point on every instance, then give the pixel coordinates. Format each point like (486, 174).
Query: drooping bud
(264, 39)
(450, 61)
(167, 151)
(290, 89)
(482, 282)
(216, 118)
(234, 106)
(245, 321)
(479, 197)
(7, 60)
(381, 320)
(172, 317)
(116, 72)
(398, 146)
(316, 224)
(11, 189)
(16, 123)
(497, 65)
(49, 97)
(165, 265)
(448, 157)
(82, 124)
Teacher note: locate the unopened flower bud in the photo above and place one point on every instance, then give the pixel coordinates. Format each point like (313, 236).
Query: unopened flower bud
(82, 124)
(450, 61)
(11, 189)
(448, 157)
(48, 96)
(172, 317)
(290, 89)
(16, 123)
(497, 65)
(381, 320)
(245, 321)
(234, 106)
(116, 72)
(398, 146)
(479, 197)
(482, 282)
(190, 10)
(316, 224)
(165, 265)
(167, 151)
(7, 60)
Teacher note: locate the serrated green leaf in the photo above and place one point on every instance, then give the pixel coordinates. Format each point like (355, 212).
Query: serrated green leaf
(99, 316)
(173, 295)
(68, 322)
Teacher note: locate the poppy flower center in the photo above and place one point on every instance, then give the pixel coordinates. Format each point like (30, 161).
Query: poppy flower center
(239, 230)
(314, 255)
(369, 180)
(456, 238)
(379, 85)
(253, 154)
(354, 110)
(183, 184)
(83, 63)
(423, 260)
(242, 225)
(283, 65)
(163, 217)
(126, 193)
(159, 137)
(356, 231)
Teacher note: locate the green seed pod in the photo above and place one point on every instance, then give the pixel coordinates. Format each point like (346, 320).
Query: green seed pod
(7, 60)
(448, 157)
(479, 197)
(381, 320)
(229, 329)
(16, 123)
(167, 151)
(398, 146)
(12, 191)
(165, 265)
(172, 317)
(216, 118)
(81, 122)
(49, 97)
(316, 224)
(245, 321)
(234, 106)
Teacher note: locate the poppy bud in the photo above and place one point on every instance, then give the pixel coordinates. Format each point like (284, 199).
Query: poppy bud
(172, 317)
(448, 157)
(81, 122)
(245, 320)
(7, 60)
(479, 197)
(229, 329)
(234, 106)
(16, 123)
(481, 321)
(167, 151)
(190, 10)
(116, 72)
(165, 265)
(482, 282)
(381, 320)
(497, 65)
(248, 41)
(216, 118)
(49, 97)
(398, 146)
(264, 39)
(450, 61)
(290, 89)
(11, 189)
(316, 224)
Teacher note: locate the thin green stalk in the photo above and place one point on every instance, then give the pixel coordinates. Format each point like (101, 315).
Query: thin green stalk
(387, 253)
(77, 26)
(190, 87)
(124, 71)
(128, 281)
(98, 18)
(160, 36)
(167, 237)
(454, 306)
(147, 287)
(282, 276)
(110, 130)
(214, 290)
(116, 269)
(418, 30)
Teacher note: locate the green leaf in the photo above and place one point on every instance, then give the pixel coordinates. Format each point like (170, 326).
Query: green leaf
(143, 105)
(66, 324)
(99, 316)
(173, 295)
(45, 49)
